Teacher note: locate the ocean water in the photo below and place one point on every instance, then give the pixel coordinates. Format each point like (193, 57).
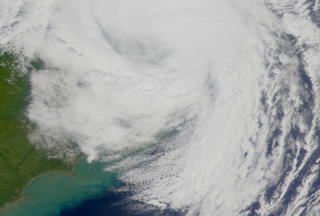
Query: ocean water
(117, 204)
(48, 194)
(237, 82)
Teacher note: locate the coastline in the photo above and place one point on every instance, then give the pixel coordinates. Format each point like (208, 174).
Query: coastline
(52, 192)
(20, 162)
(9, 204)
(69, 173)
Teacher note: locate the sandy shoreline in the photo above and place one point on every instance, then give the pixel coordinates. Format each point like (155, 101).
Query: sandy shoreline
(69, 173)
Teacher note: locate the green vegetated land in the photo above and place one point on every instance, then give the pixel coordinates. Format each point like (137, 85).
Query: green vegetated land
(19, 160)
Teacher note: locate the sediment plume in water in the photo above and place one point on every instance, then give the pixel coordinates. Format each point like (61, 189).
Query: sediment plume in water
(210, 107)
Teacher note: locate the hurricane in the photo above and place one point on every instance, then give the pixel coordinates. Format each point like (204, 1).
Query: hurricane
(206, 107)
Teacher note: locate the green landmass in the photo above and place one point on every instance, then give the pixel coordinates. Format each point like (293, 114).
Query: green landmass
(20, 161)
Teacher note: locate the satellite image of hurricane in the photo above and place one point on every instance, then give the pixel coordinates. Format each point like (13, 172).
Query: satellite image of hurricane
(159, 107)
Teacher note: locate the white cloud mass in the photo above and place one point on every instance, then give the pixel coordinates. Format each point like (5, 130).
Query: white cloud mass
(216, 98)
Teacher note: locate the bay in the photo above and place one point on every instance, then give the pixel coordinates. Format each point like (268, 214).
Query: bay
(48, 194)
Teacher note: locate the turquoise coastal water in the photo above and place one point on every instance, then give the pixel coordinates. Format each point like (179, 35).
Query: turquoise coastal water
(48, 194)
